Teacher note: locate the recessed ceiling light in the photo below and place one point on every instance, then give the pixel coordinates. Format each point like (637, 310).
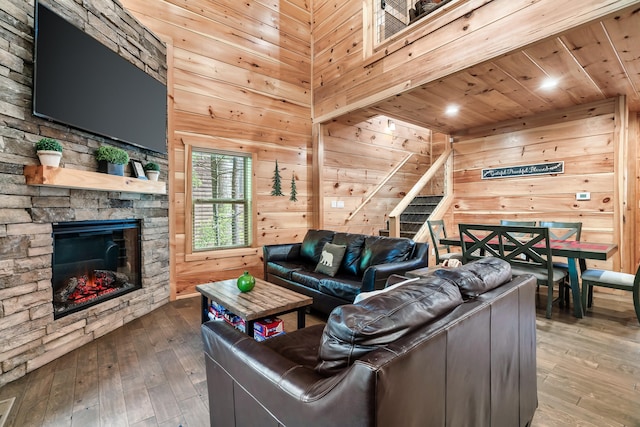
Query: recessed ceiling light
(549, 83)
(452, 110)
(391, 125)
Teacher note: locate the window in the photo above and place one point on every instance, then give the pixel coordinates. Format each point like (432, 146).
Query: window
(393, 16)
(221, 200)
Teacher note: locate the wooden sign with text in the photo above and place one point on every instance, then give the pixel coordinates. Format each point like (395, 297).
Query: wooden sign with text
(523, 170)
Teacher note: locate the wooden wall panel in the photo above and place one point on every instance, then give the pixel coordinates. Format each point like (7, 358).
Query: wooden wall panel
(344, 78)
(359, 156)
(634, 178)
(586, 146)
(241, 82)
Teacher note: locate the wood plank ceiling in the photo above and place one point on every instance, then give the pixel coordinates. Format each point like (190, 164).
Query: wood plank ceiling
(590, 63)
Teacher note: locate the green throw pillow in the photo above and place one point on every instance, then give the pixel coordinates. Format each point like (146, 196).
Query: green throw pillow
(330, 259)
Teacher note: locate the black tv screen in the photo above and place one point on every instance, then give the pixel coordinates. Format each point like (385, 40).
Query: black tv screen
(81, 83)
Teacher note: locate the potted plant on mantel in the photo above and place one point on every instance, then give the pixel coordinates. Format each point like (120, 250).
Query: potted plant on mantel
(152, 170)
(49, 152)
(112, 159)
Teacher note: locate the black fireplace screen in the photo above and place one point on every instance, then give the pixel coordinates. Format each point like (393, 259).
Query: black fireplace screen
(94, 261)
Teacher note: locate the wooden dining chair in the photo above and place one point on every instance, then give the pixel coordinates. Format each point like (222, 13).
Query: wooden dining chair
(563, 231)
(438, 231)
(532, 256)
(614, 280)
(510, 222)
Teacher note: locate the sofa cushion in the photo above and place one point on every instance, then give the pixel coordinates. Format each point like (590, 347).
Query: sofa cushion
(312, 244)
(342, 287)
(307, 278)
(300, 347)
(478, 276)
(330, 259)
(382, 250)
(283, 268)
(351, 259)
(353, 330)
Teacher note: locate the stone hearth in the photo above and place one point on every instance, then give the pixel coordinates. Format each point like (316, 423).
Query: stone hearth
(29, 335)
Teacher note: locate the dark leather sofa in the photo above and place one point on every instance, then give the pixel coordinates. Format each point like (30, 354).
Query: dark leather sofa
(445, 350)
(367, 263)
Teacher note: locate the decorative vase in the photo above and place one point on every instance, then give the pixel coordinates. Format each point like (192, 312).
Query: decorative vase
(49, 157)
(153, 175)
(246, 282)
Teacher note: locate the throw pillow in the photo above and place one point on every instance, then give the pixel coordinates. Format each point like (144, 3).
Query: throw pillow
(330, 259)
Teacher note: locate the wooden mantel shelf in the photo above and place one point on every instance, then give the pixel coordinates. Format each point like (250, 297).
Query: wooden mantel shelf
(86, 180)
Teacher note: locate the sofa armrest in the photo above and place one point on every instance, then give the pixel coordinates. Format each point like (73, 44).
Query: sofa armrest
(292, 393)
(376, 276)
(283, 252)
(239, 353)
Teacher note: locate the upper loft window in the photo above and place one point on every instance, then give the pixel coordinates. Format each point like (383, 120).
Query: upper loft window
(393, 16)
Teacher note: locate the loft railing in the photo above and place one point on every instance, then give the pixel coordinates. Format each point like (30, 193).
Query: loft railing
(394, 217)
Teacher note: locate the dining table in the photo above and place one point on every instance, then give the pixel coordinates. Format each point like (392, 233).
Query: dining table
(576, 253)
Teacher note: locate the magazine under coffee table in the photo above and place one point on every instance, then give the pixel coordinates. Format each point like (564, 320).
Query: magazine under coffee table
(265, 300)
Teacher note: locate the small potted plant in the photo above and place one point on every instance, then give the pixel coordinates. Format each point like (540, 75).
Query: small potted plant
(112, 159)
(49, 152)
(152, 171)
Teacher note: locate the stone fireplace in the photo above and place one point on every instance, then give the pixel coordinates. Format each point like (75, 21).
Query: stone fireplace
(93, 262)
(35, 329)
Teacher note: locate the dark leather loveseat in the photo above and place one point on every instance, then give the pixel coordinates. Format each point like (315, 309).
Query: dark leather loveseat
(367, 263)
(444, 350)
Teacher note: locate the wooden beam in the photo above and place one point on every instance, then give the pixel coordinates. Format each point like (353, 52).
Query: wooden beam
(365, 102)
(621, 228)
(49, 176)
(317, 175)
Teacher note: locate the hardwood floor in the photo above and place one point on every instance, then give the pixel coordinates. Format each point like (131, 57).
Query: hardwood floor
(151, 372)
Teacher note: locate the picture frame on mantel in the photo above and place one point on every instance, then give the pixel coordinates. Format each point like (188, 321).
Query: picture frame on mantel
(137, 169)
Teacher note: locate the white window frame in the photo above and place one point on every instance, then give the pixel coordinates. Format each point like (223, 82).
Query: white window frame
(247, 202)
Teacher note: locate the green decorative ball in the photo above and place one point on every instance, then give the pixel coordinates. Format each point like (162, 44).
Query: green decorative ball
(246, 282)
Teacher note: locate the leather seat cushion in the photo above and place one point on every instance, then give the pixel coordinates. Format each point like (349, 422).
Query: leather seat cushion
(312, 245)
(540, 273)
(353, 330)
(478, 276)
(310, 279)
(383, 250)
(341, 287)
(284, 269)
(301, 347)
(616, 278)
(354, 244)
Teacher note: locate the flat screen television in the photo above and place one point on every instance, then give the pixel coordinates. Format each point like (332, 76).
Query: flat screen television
(81, 83)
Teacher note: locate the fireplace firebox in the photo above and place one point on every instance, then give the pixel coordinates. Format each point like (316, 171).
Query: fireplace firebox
(94, 261)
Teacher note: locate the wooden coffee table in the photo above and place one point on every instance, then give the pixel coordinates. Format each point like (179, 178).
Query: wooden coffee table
(265, 300)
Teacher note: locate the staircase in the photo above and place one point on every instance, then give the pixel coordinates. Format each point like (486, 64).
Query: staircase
(415, 215)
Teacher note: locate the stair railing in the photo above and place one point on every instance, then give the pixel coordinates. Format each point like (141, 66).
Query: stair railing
(394, 216)
(379, 186)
